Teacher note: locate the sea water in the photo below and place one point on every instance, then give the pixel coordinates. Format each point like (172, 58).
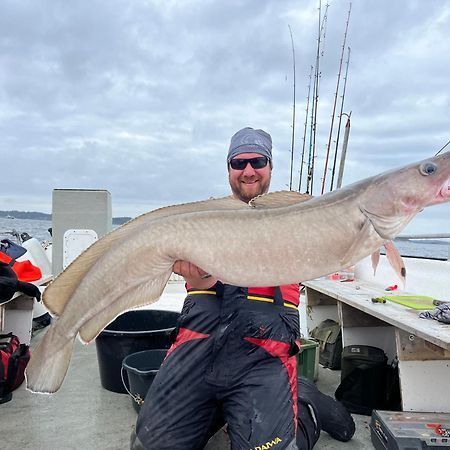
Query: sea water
(35, 228)
(435, 248)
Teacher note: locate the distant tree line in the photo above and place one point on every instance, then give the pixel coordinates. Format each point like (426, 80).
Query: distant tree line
(43, 216)
(26, 215)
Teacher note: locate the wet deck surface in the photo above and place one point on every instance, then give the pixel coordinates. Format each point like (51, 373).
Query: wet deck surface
(83, 415)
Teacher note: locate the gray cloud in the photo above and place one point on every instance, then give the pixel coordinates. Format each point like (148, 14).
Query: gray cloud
(141, 98)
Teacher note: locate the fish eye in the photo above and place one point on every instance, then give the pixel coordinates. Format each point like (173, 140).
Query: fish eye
(428, 168)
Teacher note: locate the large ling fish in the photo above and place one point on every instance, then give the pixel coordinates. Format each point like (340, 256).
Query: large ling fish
(278, 238)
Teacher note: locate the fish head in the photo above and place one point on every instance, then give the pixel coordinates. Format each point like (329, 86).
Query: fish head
(443, 193)
(422, 184)
(393, 198)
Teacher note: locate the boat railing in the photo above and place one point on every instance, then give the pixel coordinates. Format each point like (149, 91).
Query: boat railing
(425, 237)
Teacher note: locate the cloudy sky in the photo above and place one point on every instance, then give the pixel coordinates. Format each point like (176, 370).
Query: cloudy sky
(141, 98)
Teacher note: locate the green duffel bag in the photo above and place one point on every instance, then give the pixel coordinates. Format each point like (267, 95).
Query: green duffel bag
(328, 334)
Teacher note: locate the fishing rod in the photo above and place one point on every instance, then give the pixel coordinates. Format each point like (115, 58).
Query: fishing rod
(442, 148)
(310, 153)
(320, 51)
(344, 150)
(293, 113)
(319, 75)
(340, 121)
(335, 102)
(304, 131)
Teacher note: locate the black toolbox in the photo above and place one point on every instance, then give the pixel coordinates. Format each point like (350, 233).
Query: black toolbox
(393, 430)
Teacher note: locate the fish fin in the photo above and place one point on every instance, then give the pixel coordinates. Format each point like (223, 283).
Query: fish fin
(358, 242)
(396, 261)
(279, 199)
(57, 294)
(387, 227)
(375, 258)
(143, 294)
(47, 367)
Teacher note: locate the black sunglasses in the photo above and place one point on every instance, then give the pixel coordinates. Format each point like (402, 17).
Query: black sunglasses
(256, 163)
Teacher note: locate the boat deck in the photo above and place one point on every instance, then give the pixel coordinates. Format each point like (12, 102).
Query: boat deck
(83, 415)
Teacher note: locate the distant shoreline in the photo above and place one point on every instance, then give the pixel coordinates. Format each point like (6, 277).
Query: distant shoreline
(34, 215)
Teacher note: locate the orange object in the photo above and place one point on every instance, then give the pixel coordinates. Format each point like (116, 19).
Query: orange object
(24, 270)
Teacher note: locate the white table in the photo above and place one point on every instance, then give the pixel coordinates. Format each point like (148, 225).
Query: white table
(421, 345)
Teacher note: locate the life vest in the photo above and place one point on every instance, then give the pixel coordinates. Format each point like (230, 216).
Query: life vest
(24, 270)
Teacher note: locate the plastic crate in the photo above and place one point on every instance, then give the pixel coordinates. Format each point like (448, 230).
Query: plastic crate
(307, 362)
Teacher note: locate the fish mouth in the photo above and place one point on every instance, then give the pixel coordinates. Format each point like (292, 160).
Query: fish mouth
(443, 195)
(444, 192)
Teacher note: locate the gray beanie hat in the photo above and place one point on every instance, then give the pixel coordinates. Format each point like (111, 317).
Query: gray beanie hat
(249, 140)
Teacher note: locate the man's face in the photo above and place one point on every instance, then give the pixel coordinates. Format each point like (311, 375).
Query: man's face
(249, 182)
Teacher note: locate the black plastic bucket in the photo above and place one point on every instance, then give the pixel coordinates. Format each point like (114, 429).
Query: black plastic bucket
(131, 332)
(141, 368)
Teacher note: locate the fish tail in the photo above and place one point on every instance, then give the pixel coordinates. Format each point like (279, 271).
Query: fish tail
(47, 367)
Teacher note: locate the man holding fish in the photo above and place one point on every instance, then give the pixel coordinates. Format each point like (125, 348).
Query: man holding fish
(233, 353)
(233, 356)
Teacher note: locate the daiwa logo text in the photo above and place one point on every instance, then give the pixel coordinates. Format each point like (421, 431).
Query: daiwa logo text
(268, 445)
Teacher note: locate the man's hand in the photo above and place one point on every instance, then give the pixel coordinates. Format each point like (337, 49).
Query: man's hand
(193, 275)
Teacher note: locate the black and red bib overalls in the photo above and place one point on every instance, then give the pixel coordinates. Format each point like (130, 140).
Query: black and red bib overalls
(232, 360)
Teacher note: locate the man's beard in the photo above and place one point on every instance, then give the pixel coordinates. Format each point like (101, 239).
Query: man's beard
(239, 191)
